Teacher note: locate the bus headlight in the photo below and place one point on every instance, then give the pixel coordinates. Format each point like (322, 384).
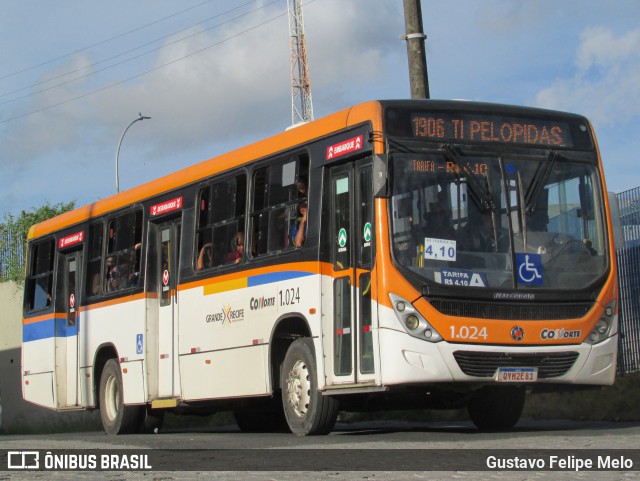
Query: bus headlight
(412, 321)
(606, 326)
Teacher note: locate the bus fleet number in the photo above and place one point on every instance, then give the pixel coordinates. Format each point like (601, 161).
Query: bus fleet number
(468, 332)
(289, 296)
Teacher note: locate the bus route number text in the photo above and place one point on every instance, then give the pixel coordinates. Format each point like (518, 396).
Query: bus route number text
(289, 297)
(533, 132)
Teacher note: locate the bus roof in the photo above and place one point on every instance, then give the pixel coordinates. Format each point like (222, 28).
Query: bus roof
(367, 111)
(300, 134)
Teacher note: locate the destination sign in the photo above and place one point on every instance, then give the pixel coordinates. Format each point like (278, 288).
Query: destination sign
(489, 128)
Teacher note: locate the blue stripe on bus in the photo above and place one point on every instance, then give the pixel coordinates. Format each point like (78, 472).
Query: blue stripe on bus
(47, 329)
(261, 279)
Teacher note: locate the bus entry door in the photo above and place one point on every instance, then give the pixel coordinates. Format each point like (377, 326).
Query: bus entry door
(351, 237)
(67, 330)
(163, 331)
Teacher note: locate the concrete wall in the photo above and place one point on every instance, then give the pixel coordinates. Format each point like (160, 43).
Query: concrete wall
(17, 415)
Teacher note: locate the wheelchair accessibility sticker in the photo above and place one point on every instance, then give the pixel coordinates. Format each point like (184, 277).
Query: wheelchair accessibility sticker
(529, 269)
(139, 343)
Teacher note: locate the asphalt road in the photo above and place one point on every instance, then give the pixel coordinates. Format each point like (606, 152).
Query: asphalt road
(394, 451)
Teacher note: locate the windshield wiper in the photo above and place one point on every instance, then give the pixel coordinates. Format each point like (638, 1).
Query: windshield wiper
(480, 195)
(539, 180)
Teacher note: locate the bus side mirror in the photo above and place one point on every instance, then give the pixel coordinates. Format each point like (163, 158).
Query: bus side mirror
(380, 177)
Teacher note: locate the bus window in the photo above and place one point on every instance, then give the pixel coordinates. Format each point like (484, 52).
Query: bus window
(280, 194)
(220, 222)
(122, 263)
(94, 263)
(41, 279)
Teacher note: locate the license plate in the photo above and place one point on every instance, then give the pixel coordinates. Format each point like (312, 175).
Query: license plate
(517, 374)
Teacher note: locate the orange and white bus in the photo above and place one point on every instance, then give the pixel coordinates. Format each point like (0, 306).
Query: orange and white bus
(423, 254)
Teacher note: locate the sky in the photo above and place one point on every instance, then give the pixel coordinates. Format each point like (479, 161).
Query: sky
(214, 75)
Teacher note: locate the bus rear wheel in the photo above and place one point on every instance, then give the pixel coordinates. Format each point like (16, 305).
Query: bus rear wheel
(307, 411)
(116, 417)
(496, 407)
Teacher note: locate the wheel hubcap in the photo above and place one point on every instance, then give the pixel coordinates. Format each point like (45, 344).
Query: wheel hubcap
(299, 388)
(112, 398)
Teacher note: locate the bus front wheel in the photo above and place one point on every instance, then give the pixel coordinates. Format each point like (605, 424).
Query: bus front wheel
(307, 411)
(116, 417)
(496, 407)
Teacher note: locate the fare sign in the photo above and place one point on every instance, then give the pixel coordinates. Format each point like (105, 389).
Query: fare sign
(167, 206)
(70, 240)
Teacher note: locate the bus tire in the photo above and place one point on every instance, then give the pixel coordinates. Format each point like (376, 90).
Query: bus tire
(496, 407)
(117, 418)
(307, 411)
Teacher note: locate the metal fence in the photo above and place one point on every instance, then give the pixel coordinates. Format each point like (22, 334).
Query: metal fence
(628, 255)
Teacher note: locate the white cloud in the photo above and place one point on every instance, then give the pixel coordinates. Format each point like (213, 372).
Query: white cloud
(606, 82)
(601, 48)
(232, 93)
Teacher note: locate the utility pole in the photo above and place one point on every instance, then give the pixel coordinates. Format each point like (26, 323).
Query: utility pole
(416, 51)
(301, 104)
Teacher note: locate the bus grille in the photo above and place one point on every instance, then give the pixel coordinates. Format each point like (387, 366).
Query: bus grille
(512, 311)
(485, 364)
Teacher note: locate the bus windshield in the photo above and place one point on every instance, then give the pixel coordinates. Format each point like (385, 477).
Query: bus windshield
(468, 220)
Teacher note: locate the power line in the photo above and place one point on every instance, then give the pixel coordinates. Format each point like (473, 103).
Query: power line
(102, 42)
(130, 58)
(146, 72)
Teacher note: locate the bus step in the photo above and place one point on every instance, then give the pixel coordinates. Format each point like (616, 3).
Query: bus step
(351, 389)
(164, 403)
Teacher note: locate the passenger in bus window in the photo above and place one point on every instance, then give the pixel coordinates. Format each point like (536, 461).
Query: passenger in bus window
(95, 284)
(204, 257)
(298, 229)
(301, 184)
(477, 235)
(111, 274)
(237, 248)
(129, 272)
(123, 274)
(42, 297)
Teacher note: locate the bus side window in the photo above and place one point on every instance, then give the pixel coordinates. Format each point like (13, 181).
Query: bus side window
(220, 222)
(40, 284)
(279, 195)
(94, 263)
(122, 263)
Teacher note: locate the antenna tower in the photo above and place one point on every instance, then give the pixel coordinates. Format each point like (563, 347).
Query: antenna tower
(301, 104)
